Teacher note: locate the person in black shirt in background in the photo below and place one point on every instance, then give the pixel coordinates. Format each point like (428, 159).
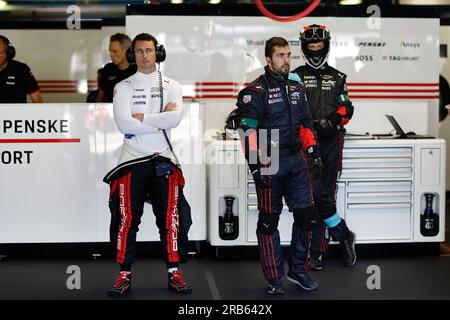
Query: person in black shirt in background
(16, 79)
(117, 70)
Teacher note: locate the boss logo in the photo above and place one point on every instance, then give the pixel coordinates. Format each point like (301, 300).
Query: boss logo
(364, 58)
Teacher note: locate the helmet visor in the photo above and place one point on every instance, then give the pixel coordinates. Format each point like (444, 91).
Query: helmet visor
(314, 33)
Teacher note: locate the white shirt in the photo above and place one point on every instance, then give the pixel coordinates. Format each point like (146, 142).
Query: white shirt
(140, 93)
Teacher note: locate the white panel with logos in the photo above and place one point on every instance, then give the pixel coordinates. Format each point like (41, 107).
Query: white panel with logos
(53, 159)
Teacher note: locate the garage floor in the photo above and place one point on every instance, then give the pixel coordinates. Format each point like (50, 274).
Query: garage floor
(401, 277)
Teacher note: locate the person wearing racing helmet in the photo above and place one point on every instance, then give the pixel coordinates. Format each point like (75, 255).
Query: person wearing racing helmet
(331, 109)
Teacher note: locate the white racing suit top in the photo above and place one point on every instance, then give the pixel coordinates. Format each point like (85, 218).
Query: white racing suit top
(140, 93)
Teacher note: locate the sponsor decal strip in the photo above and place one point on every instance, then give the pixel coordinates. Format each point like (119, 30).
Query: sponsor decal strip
(219, 84)
(213, 96)
(391, 90)
(392, 84)
(125, 217)
(392, 97)
(64, 86)
(209, 90)
(229, 90)
(172, 218)
(58, 91)
(216, 90)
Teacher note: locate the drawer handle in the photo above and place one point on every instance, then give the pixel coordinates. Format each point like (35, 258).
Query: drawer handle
(375, 206)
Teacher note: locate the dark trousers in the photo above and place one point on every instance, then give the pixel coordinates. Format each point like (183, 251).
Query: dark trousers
(293, 182)
(325, 189)
(140, 183)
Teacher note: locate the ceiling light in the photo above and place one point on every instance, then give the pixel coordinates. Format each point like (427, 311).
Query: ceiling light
(214, 1)
(176, 1)
(2, 4)
(349, 2)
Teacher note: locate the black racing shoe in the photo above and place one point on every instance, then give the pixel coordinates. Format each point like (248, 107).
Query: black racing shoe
(348, 250)
(177, 284)
(121, 285)
(275, 286)
(304, 280)
(315, 260)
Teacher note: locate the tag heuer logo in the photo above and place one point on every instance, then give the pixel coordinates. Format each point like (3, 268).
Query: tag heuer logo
(246, 98)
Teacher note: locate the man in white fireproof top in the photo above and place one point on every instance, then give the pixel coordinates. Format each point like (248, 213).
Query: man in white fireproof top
(146, 169)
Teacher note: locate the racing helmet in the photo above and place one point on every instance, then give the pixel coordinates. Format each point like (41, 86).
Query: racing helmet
(313, 34)
(232, 123)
